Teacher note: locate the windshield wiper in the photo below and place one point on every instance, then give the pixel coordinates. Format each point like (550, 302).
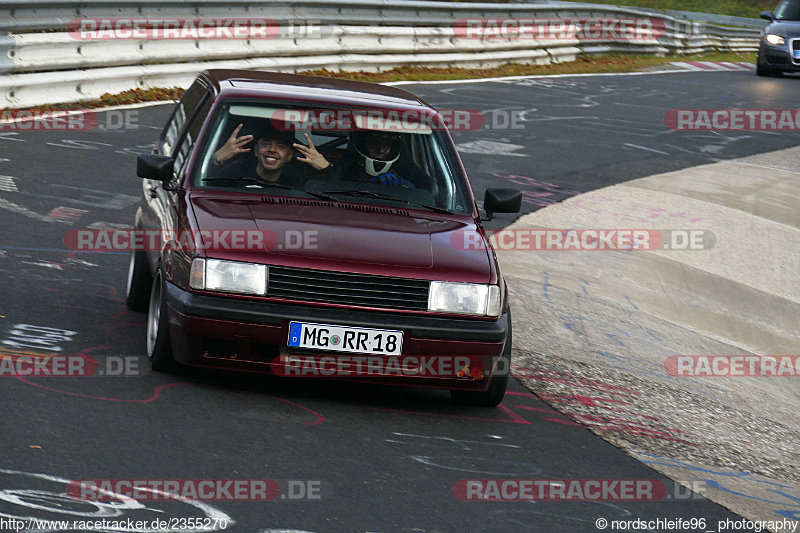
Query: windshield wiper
(370, 194)
(262, 183)
(381, 196)
(248, 179)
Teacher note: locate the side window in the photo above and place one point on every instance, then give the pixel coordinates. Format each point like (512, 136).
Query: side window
(185, 108)
(188, 140)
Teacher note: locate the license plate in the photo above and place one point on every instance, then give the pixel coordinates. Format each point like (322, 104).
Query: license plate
(797, 54)
(345, 338)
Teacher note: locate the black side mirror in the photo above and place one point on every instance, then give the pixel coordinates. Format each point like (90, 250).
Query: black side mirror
(155, 167)
(501, 201)
(767, 15)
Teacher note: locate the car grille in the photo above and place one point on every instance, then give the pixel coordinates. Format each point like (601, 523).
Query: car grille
(344, 288)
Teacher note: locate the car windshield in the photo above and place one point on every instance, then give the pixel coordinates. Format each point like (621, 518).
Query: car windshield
(788, 10)
(377, 156)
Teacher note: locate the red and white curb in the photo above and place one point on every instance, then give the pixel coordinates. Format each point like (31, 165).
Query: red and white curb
(714, 65)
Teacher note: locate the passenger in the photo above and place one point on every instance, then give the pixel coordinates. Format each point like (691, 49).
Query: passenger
(274, 153)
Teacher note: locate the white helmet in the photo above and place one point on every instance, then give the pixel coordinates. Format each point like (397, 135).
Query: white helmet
(372, 165)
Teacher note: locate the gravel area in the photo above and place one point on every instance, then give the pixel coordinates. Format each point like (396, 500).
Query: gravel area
(636, 414)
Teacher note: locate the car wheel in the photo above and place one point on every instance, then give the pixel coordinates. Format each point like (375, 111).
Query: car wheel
(140, 282)
(497, 383)
(764, 71)
(159, 349)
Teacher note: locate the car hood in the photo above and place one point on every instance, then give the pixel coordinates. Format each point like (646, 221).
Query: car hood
(345, 237)
(784, 28)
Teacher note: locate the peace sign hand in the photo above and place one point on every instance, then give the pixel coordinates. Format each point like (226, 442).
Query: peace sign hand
(310, 155)
(234, 145)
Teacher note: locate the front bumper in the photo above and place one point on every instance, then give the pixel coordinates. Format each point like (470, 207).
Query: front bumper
(246, 335)
(778, 57)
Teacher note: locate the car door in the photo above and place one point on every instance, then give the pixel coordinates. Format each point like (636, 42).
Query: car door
(161, 209)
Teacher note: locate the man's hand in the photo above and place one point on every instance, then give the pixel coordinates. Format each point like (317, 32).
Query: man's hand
(310, 155)
(234, 145)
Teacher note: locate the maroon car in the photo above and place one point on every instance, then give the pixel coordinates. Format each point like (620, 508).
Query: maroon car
(342, 257)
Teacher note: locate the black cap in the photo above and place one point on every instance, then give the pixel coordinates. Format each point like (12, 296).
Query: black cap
(270, 132)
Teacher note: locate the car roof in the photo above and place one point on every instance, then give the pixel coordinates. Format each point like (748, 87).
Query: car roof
(320, 89)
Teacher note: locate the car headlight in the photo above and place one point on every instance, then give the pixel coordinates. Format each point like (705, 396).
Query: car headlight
(774, 39)
(228, 276)
(465, 298)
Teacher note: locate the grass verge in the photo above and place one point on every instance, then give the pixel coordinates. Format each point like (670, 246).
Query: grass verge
(736, 8)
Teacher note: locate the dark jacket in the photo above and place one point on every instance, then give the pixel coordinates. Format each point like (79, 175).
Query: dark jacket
(293, 174)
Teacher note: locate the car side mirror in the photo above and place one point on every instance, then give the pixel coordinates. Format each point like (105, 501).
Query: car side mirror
(767, 15)
(501, 201)
(155, 167)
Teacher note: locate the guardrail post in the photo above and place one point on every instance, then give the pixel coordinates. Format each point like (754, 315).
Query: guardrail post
(7, 44)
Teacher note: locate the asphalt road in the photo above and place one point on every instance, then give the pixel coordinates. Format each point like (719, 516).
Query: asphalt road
(380, 459)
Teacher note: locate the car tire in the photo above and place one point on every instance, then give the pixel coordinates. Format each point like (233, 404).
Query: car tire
(140, 282)
(498, 383)
(764, 71)
(159, 349)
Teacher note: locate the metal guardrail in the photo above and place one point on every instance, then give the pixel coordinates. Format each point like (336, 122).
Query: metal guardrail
(59, 51)
(28, 15)
(693, 16)
(724, 20)
(51, 66)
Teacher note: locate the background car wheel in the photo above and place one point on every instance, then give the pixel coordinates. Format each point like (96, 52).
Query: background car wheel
(140, 282)
(159, 349)
(497, 383)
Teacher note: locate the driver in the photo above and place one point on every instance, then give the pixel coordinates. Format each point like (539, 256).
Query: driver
(378, 157)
